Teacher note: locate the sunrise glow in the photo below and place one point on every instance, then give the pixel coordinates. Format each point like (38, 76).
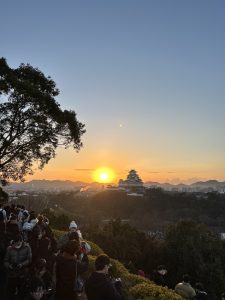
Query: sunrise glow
(104, 175)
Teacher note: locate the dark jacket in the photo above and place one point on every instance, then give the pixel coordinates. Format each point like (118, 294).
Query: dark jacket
(15, 257)
(158, 278)
(99, 287)
(65, 276)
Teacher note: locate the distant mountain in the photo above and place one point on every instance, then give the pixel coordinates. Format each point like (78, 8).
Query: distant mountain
(210, 185)
(40, 185)
(66, 185)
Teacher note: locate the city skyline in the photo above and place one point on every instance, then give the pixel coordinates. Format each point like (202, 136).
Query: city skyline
(146, 78)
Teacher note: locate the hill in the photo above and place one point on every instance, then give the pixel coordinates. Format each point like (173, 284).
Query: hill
(67, 185)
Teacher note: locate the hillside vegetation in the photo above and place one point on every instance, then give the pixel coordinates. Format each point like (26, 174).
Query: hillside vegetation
(134, 286)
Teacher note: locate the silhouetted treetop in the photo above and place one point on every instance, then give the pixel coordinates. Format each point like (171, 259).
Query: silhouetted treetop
(32, 124)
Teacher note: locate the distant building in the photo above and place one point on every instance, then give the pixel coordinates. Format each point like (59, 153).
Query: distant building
(133, 183)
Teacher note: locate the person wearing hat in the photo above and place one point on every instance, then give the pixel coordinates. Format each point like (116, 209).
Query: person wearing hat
(63, 240)
(17, 258)
(98, 285)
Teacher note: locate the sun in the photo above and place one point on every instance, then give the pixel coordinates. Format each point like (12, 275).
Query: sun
(104, 175)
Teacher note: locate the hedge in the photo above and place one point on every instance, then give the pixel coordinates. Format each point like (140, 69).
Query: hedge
(134, 286)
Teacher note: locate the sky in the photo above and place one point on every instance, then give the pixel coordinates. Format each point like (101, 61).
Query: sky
(147, 78)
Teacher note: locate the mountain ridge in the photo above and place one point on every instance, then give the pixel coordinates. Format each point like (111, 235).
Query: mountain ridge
(44, 184)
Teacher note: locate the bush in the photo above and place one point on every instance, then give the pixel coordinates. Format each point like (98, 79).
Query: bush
(95, 249)
(152, 292)
(58, 233)
(134, 286)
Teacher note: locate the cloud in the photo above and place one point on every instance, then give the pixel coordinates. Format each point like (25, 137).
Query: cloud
(84, 170)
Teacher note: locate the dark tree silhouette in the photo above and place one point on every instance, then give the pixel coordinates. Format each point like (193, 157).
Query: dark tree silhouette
(32, 124)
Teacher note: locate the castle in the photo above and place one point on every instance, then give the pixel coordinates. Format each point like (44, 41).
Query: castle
(133, 183)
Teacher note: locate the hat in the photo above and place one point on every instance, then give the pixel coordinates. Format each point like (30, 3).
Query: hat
(73, 225)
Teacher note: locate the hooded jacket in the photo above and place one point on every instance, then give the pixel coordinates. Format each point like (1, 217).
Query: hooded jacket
(98, 287)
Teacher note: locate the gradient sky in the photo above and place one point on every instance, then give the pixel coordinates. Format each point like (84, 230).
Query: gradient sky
(146, 77)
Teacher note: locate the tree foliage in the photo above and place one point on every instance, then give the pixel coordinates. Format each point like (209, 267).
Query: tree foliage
(32, 124)
(194, 249)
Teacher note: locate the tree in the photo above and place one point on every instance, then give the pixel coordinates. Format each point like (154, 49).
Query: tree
(32, 124)
(192, 248)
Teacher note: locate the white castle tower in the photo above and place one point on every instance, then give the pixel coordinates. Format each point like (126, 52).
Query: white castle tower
(133, 183)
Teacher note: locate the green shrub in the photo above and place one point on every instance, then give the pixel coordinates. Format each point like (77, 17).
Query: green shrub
(152, 292)
(134, 286)
(58, 233)
(95, 249)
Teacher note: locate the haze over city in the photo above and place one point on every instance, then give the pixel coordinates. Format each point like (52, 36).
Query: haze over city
(145, 77)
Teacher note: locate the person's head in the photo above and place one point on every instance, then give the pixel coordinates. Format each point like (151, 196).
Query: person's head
(199, 286)
(162, 270)
(36, 289)
(18, 241)
(72, 226)
(40, 219)
(102, 263)
(186, 278)
(73, 235)
(71, 247)
(223, 296)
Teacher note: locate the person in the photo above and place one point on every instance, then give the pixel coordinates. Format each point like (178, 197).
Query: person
(98, 286)
(159, 275)
(35, 290)
(67, 269)
(3, 218)
(200, 293)
(63, 240)
(40, 269)
(36, 235)
(17, 258)
(12, 227)
(184, 289)
(223, 296)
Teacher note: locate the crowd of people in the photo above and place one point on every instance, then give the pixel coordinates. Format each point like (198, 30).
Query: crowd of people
(34, 265)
